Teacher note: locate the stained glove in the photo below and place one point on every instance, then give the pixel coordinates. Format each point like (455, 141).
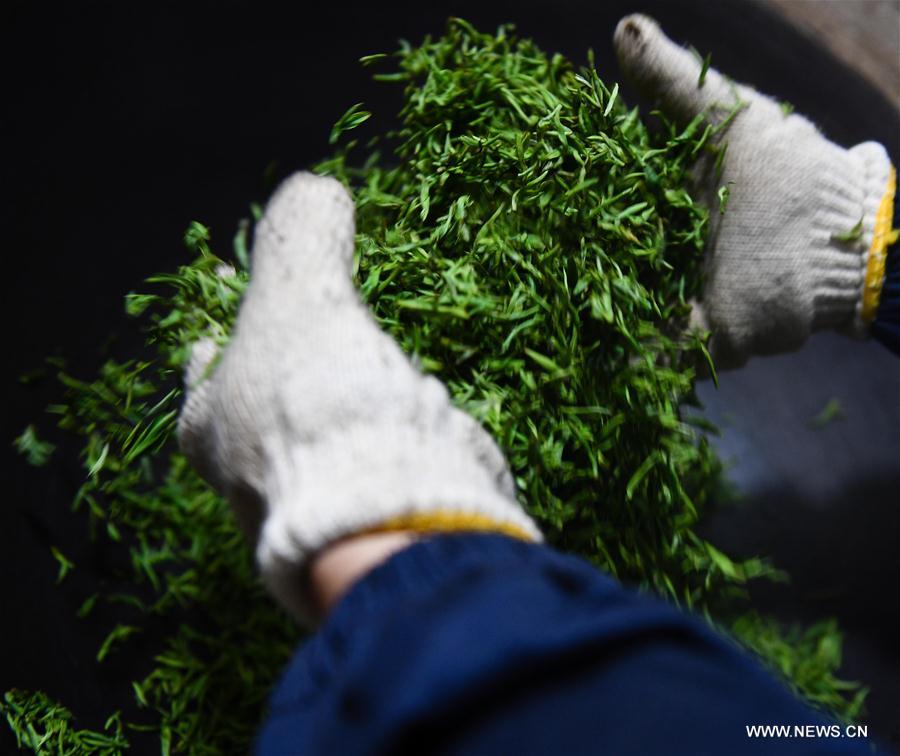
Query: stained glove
(801, 243)
(313, 422)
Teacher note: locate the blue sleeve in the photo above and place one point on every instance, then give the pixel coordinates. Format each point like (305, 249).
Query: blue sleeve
(886, 327)
(479, 644)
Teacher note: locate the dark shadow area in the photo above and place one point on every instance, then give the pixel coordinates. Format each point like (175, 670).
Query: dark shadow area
(821, 500)
(122, 122)
(840, 553)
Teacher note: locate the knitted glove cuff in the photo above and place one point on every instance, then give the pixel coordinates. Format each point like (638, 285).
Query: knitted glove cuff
(372, 478)
(847, 236)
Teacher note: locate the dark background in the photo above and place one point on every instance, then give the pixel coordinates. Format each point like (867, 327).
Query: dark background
(122, 122)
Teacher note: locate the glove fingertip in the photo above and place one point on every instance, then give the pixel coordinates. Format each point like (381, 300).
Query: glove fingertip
(664, 70)
(636, 40)
(308, 223)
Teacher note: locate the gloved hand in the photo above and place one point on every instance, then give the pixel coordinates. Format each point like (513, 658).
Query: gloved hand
(314, 424)
(801, 244)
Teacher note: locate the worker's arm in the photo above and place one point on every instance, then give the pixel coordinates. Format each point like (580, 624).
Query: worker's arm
(317, 427)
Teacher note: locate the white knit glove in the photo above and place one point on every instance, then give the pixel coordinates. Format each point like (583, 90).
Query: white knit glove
(314, 424)
(775, 269)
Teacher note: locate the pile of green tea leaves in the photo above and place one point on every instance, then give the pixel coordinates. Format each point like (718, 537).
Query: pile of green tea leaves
(526, 239)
